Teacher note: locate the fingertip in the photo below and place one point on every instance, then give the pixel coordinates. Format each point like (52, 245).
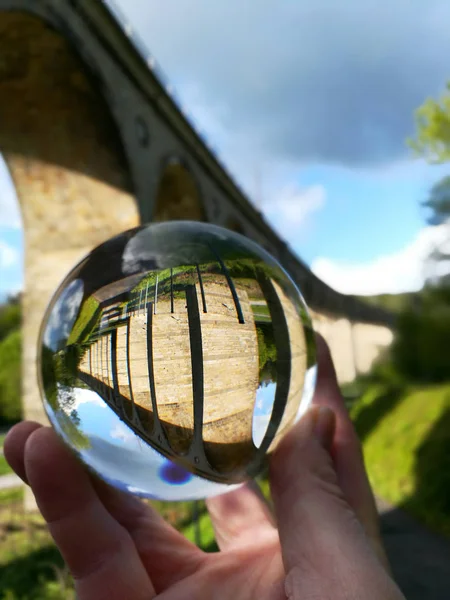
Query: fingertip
(14, 446)
(46, 458)
(53, 472)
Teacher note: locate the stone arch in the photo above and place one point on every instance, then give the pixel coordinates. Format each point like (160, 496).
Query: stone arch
(178, 195)
(62, 148)
(235, 225)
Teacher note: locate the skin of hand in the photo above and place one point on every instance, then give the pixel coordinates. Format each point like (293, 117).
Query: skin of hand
(320, 542)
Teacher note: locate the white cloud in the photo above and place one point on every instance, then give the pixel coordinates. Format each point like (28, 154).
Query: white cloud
(9, 205)
(122, 433)
(76, 397)
(9, 256)
(259, 428)
(402, 271)
(293, 205)
(287, 206)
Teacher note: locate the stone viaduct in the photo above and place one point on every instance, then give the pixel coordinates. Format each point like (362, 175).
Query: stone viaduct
(96, 143)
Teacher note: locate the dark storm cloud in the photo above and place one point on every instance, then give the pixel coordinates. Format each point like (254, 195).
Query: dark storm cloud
(308, 79)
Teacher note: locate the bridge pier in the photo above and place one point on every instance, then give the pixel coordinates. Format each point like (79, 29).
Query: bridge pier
(67, 165)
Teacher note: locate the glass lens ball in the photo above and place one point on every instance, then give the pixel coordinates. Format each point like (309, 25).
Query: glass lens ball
(174, 357)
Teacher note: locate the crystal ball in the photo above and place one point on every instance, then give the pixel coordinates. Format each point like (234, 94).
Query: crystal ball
(174, 357)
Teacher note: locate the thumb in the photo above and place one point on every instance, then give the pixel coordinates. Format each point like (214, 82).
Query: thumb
(319, 532)
(304, 484)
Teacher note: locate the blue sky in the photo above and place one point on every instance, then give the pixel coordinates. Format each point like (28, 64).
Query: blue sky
(11, 237)
(309, 107)
(122, 458)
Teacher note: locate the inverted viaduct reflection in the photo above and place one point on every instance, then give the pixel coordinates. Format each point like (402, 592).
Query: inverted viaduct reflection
(180, 361)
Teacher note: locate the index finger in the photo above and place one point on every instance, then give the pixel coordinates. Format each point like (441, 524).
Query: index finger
(99, 552)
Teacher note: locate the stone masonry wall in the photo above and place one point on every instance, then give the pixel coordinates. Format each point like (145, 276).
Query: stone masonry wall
(66, 162)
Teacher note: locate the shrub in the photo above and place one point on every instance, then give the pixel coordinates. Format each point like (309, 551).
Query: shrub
(10, 378)
(421, 349)
(10, 317)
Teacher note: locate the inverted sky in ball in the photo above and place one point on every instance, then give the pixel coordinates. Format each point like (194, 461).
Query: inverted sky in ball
(173, 359)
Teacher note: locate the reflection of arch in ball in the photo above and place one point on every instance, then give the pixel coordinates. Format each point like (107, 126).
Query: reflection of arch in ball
(141, 349)
(178, 196)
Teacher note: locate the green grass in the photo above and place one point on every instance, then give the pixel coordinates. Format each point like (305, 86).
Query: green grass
(179, 515)
(175, 513)
(406, 441)
(5, 469)
(206, 531)
(261, 313)
(164, 275)
(86, 321)
(10, 496)
(31, 567)
(252, 288)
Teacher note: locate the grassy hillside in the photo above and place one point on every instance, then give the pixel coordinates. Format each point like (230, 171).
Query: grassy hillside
(406, 440)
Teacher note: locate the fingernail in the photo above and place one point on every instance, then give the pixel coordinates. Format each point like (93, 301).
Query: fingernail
(324, 426)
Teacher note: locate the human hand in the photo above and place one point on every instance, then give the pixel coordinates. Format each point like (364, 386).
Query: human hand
(326, 543)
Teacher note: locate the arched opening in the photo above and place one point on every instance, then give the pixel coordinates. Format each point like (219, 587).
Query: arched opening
(178, 196)
(11, 237)
(67, 164)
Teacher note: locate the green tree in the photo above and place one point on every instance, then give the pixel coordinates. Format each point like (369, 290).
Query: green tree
(438, 205)
(10, 378)
(432, 140)
(420, 351)
(439, 202)
(10, 317)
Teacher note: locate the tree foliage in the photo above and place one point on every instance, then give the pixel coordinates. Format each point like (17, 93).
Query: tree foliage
(432, 140)
(420, 351)
(10, 361)
(10, 378)
(438, 202)
(10, 317)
